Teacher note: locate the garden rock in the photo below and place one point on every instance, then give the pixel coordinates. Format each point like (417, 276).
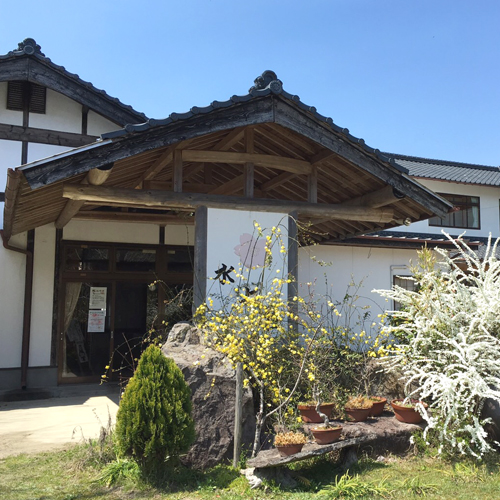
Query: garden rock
(213, 392)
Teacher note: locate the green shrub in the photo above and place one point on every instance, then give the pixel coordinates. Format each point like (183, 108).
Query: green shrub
(154, 421)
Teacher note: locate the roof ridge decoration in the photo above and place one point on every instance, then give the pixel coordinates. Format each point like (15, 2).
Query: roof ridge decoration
(29, 47)
(268, 80)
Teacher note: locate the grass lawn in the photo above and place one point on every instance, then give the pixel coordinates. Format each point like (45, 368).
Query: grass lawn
(73, 474)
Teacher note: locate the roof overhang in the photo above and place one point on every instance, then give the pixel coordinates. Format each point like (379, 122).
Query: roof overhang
(266, 145)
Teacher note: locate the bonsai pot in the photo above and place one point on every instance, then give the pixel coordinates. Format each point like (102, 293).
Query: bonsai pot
(378, 406)
(289, 449)
(311, 416)
(358, 414)
(407, 414)
(327, 435)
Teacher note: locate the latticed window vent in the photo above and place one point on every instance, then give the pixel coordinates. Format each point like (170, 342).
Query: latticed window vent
(19, 93)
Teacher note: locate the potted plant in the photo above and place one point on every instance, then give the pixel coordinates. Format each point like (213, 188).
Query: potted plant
(358, 408)
(327, 433)
(310, 414)
(289, 443)
(406, 411)
(378, 405)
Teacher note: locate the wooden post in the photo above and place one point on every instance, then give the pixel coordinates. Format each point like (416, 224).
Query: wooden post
(238, 414)
(200, 257)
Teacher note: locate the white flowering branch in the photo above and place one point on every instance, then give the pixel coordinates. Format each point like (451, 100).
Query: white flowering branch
(448, 349)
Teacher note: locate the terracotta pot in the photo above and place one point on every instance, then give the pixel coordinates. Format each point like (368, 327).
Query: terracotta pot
(289, 449)
(358, 414)
(326, 436)
(406, 414)
(378, 406)
(311, 416)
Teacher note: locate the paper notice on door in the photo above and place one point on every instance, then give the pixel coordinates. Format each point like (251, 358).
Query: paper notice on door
(96, 322)
(97, 298)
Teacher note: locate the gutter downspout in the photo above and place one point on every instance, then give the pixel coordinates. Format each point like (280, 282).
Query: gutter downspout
(28, 295)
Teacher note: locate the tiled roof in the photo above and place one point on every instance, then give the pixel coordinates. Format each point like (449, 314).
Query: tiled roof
(29, 47)
(464, 173)
(266, 84)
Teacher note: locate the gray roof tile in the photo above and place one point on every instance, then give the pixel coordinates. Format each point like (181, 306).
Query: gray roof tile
(464, 173)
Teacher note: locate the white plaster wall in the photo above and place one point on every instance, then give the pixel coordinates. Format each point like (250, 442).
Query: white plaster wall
(7, 115)
(343, 265)
(112, 232)
(97, 124)
(12, 275)
(488, 209)
(179, 235)
(38, 151)
(43, 295)
(61, 113)
(10, 157)
(227, 229)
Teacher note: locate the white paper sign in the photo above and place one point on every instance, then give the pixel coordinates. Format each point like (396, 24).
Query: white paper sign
(98, 297)
(96, 322)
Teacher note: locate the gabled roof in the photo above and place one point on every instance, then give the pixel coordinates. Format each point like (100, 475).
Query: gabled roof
(28, 63)
(463, 173)
(290, 143)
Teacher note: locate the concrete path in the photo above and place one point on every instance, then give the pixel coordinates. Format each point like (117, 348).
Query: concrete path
(50, 424)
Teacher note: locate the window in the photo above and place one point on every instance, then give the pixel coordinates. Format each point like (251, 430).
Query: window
(466, 217)
(19, 93)
(403, 282)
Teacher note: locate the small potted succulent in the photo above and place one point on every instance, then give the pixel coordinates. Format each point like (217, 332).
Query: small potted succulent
(406, 411)
(289, 443)
(327, 433)
(378, 405)
(358, 408)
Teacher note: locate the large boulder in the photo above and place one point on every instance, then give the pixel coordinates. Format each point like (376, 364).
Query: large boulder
(213, 390)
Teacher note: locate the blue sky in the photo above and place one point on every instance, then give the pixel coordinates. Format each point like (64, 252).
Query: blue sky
(417, 77)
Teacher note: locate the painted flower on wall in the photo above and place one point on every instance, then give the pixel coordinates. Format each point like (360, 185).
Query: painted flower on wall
(251, 251)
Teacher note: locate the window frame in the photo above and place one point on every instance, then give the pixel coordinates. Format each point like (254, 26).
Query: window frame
(465, 211)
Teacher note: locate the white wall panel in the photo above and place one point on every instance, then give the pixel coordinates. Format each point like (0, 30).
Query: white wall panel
(97, 124)
(43, 295)
(62, 113)
(12, 275)
(179, 235)
(38, 151)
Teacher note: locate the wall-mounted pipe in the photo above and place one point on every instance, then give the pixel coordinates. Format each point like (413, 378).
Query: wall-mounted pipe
(28, 294)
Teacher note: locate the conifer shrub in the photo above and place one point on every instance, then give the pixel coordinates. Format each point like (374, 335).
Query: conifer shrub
(154, 423)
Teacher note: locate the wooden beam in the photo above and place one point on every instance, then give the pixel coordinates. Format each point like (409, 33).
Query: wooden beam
(248, 168)
(190, 187)
(312, 186)
(377, 199)
(276, 181)
(178, 171)
(278, 162)
(232, 186)
(158, 199)
(156, 167)
(324, 154)
(11, 200)
(191, 170)
(42, 136)
(230, 139)
(95, 177)
(165, 219)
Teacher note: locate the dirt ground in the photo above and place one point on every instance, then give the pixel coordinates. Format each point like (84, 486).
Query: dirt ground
(51, 424)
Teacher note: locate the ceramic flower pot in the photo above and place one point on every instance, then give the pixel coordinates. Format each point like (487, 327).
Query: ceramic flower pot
(378, 406)
(358, 414)
(326, 436)
(405, 413)
(311, 416)
(289, 449)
